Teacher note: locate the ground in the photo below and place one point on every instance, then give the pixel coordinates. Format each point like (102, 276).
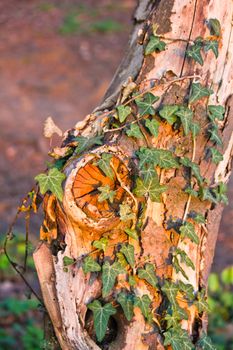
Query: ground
(57, 59)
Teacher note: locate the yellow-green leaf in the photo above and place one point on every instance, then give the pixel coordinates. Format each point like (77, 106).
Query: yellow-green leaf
(132, 233)
(101, 244)
(68, 261)
(51, 182)
(106, 194)
(215, 26)
(104, 165)
(123, 112)
(126, 212)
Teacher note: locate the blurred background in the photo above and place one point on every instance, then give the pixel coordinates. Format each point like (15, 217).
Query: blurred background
(57, 59)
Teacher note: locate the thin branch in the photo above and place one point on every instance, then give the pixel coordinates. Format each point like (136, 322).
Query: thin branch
(9, 236)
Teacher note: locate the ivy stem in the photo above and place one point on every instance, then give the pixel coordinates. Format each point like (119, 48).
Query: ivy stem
(127, 124)
(9, 236)
(190, 196)
(143, 133)
(175, 39)
(167, 82)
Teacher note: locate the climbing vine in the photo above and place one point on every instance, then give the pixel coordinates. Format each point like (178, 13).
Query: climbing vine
(140, 116)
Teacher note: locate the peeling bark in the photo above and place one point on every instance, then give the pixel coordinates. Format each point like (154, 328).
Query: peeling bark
(67, 293)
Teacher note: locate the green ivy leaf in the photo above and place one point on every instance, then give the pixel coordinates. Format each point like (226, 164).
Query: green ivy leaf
(191, 191)
(181, 313)
(123, 112)
(215, 26)
(216, 155)
(152, 126)
(188, 230)
(51, 182)
(172, 320)
(178, 268)
(164, 159)
(132, 281)
(134, 131)
(168, 112)
(187, 289)
(85, 143)
(201, 302)
(109, 274)
(145, 104)
(68, 261)
(132, 233)
(126, 212)
(104, 165)
(154, 44)
(220, 193)
(207, 195)
(214, 135)
(199, 218)
(216, 112)
(171, 290)
(106, 194)
(161, 157)
(126, 302)
(178, 338)
(144, 303)
(90, 265)
(184, 258)
(150, 187)
(185, 114)
(128, 251)
(205, 343)
(149, 173)
(212, 45)
(148, 274)
(121, 259)
(194, 52)
(195, 129)
(101, 317)
(194, 167)
(101, 244)
(198, 91)
(145, 156)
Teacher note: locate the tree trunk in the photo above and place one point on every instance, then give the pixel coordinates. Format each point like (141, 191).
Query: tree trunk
(70, 227)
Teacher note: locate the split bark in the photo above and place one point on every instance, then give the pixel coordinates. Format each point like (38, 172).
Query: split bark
(66, 294)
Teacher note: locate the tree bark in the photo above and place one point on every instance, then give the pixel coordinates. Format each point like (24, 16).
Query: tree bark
(72, 228)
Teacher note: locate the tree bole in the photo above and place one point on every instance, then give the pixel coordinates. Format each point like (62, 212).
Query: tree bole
(75, 225)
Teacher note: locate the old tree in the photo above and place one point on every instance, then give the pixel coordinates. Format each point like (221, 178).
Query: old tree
(134, 198)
